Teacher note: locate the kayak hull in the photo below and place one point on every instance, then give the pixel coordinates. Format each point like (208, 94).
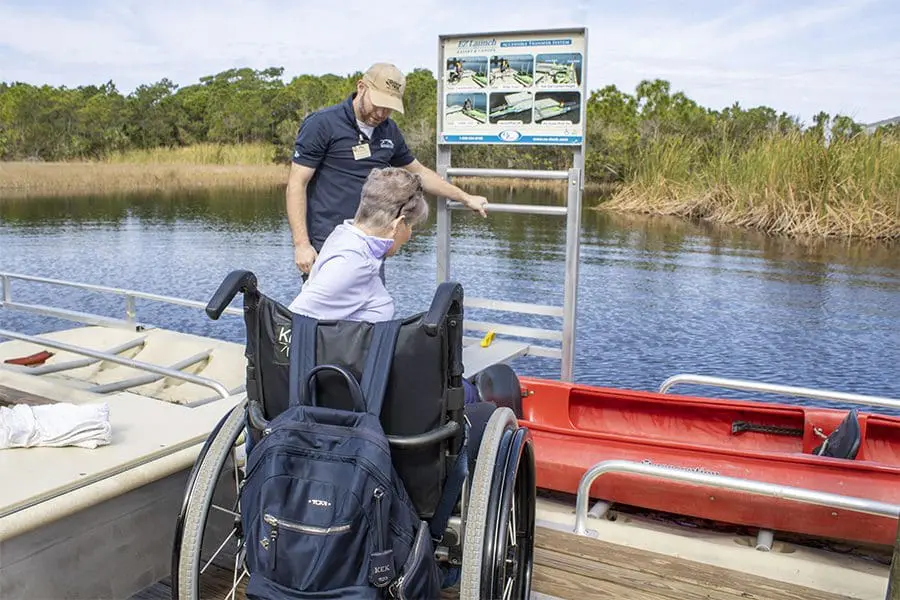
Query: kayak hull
(575, 427)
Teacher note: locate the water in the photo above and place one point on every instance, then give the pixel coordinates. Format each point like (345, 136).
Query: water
(657, 296)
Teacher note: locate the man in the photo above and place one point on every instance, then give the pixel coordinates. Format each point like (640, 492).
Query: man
(335, 150)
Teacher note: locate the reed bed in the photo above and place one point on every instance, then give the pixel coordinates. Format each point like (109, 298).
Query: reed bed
(199, 154)
(790, 184)
(23, 179)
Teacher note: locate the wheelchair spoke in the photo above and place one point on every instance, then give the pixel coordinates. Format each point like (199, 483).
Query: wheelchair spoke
(227, 511)
(237, 580)
(512, 525)
(218, 550)
(507, 591)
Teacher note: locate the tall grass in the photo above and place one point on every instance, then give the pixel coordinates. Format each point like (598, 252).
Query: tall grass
(789, 184)
(23, 179)
(199, 154)
(201, 166)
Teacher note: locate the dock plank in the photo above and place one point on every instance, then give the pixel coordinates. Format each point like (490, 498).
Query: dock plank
(580, 568)
(659, 576)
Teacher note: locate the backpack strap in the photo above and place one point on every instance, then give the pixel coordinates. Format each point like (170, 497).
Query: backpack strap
(302, 356)
(452, 489)
(377, 369)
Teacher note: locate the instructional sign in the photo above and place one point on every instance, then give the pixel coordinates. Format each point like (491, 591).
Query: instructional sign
(512, 88)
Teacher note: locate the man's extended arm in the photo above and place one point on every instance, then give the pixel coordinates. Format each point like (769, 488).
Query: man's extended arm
(295, 200)
(434, 184)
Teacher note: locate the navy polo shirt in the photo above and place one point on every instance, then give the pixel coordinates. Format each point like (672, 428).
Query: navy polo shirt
(325, 142)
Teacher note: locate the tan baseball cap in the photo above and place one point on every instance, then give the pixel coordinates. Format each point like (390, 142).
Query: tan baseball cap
(386, 86)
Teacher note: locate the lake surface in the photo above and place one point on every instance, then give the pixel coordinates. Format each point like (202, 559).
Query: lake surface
(656, 296)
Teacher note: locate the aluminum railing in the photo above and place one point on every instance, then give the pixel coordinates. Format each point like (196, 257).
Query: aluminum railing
(127, 362)
(862, 505)
(572, 212)
(787, 390)
(130, 296)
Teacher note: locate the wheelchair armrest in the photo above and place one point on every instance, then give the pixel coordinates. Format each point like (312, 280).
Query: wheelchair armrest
(236, 281)
(448, 294)
(437, 434)
(255, 415)
(445, 431)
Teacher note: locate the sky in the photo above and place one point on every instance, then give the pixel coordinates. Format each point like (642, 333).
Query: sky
(840, 56)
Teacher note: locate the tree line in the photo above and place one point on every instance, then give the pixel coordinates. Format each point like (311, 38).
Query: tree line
(243, 105)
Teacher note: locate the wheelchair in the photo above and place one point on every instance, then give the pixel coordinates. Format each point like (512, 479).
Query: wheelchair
(489, 538)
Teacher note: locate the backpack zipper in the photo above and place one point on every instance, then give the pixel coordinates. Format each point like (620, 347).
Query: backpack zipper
(367, 465)
(379, 518)
(275, 524)
(301, 528)
(382, 560)
(340, 430)
(396, 588)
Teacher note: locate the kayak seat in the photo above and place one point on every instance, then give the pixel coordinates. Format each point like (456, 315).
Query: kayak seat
(844, 441)
(499, 385)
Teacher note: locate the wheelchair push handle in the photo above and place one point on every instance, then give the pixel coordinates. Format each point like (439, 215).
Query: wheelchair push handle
(447, 298)
(355, 391)
(237, 281)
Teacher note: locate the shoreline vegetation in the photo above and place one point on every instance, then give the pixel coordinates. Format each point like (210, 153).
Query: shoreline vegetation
(651, 152)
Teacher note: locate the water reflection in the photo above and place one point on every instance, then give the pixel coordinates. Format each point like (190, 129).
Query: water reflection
(657, 296)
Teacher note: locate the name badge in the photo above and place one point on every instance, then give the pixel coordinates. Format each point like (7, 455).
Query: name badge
(361, 151)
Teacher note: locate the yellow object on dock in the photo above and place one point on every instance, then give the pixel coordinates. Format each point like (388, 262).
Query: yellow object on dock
(487, 339)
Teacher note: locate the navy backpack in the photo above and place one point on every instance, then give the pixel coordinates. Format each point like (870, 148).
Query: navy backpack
(323, 511)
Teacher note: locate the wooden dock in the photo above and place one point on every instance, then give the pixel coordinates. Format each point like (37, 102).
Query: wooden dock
(580, 568)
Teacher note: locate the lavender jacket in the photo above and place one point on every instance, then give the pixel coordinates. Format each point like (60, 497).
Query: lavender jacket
(344, 282)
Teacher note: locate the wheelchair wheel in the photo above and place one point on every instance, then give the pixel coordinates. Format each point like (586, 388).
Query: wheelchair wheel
(498, 538)
(208, 550)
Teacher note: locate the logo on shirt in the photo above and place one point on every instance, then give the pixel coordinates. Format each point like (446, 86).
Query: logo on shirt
(387, 144)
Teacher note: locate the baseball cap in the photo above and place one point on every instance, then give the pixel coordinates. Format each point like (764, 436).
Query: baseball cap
(386, 86)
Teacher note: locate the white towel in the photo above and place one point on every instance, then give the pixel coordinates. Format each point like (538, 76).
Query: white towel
(59, 424)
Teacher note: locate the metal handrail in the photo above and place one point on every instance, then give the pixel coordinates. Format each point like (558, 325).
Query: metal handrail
(78, 362)
(525, 209)
(129, 295)
(863, 505)
(507, 173)
(753, 386)
(572, 211)
(521, 307)
(128, 362)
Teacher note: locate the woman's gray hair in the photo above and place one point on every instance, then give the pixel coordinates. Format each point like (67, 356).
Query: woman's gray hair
(389, 193)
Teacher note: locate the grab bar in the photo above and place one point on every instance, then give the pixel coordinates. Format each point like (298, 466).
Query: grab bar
(135, 364)
(754, 386)
(863, 505)
(130, 297)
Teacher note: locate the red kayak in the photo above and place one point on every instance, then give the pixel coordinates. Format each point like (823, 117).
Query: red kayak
(576, 426)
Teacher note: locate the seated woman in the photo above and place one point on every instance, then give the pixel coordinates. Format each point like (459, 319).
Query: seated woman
(345, 282)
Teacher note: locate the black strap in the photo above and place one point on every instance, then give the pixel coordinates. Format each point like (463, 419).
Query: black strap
(742, 426)
(377, 369)
(302, 357)
(452, 490)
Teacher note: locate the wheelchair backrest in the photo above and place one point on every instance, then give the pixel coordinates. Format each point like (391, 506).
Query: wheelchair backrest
(416, 397)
